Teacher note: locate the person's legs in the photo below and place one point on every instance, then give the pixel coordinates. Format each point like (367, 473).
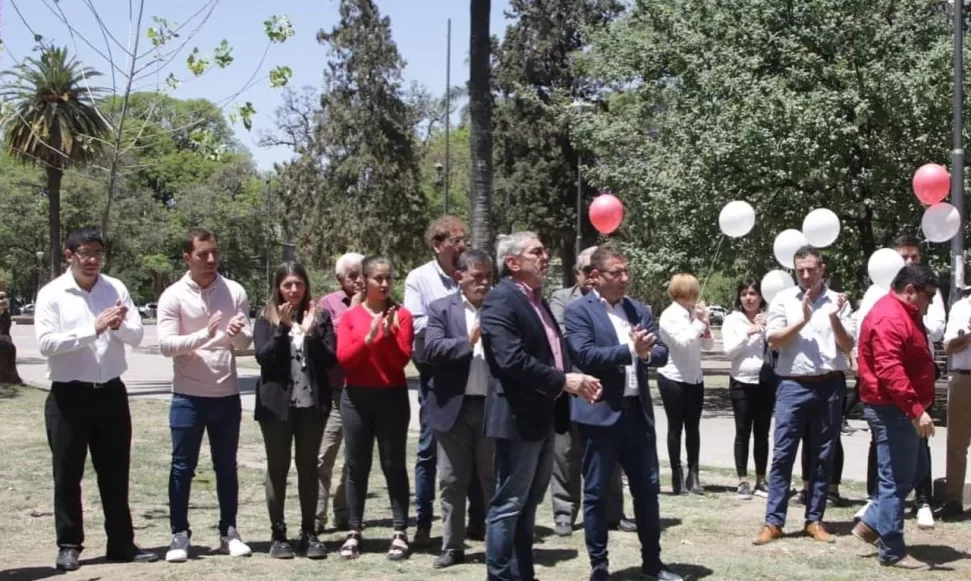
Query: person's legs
(223, 431)
(743, 410)
(456, 468)
(358, 415)
(764, 401)
(308, 432)
(329, 447)
(792, 406)
(392, 416)
(565, 482)
(825, 425)
(69, 424)
(111, 458)
(600, 455)
(516, 463)
(187, 417)
(673, 401)
(425, 465)
(277, 441)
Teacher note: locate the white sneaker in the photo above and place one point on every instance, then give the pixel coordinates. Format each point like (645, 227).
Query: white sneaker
(859, 514)
(925, 517)
(232, 545)
(179, 549)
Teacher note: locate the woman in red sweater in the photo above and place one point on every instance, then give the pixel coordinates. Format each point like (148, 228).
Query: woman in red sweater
(373, 347)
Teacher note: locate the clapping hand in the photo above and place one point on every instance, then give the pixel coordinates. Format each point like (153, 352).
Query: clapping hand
(840, 303)
(213, 326)
(642, 341)
(475, 335)
(309, 316)
(582, 385)
(807, 307)
(285, 312)
(390, 320)
(376, 320)
(701, 312)
(120, 314)
(236, 324)
(110, 318)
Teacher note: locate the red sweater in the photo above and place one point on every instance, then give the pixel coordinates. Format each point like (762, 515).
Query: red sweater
(383, 362)
(895, 363)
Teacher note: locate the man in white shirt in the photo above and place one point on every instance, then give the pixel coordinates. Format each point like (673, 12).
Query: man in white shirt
(455, 404)
(957, 344)
(83, 320)
(810, 325)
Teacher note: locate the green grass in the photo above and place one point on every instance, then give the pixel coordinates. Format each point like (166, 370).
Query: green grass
(707, 537)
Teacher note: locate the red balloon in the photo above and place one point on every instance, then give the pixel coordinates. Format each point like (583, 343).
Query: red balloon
(931, 183)
(606, 213)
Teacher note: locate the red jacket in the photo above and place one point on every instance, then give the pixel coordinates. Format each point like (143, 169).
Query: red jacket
(381, 364)
(895, 365)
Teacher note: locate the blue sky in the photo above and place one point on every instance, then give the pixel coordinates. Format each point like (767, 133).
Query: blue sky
(418, 27)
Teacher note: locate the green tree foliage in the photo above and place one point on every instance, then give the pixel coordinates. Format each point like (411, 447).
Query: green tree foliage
(787, 105)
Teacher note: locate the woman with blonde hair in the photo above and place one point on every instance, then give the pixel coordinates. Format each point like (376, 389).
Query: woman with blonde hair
(686, 330)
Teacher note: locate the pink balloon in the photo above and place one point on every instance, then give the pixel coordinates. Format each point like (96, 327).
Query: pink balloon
(931, 183)
(606, 213)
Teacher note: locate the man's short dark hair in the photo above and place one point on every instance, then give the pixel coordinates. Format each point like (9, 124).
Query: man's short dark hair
(197, 233)
(919, 275)
(906, 241)
(86, 235)
(474, 257)
(807, 251)
(603, 253)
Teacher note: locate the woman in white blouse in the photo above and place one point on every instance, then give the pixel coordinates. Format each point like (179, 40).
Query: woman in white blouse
(685, 329)
(751, 386)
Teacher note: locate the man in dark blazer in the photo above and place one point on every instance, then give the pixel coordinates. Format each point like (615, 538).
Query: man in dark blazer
(612, 337)
(455, 404)
(529, 363)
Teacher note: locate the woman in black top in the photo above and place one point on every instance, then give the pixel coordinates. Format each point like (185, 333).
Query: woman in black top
(295, 347)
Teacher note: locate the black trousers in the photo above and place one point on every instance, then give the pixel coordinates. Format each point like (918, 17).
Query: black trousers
(382, 414)
(301, 432)
(78, 417)
(682, 405)
(752, 406)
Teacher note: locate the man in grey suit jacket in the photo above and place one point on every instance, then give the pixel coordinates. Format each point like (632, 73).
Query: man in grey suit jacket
(567, 450)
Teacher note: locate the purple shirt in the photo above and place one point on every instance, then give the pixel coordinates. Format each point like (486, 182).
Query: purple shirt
(535, 298)
(336, 303)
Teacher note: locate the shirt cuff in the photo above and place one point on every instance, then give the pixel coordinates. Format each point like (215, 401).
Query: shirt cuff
(699, 327)
(915, 411)
(87, 335)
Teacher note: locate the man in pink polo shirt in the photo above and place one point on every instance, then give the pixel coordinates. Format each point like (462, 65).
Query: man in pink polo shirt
(202, 322)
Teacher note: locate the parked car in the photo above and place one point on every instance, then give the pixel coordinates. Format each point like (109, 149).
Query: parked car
(717, 314)
(148, 310)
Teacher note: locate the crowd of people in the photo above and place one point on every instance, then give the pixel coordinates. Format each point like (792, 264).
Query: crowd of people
(517, 395)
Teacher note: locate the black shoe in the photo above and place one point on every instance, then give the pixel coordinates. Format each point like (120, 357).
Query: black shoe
(311, 547)
(677, 480)
(67, 559)
(281, 550)
(950, 510)
(834, 499)
(600, 574)
(562, 529)
(693, 482)
(664, 574)
(132, 555)
(802, 497)
(625, 526)
(475, 532)
(449, 558)
(422, 538)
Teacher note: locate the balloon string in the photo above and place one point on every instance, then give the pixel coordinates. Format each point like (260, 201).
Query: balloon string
(711, 269)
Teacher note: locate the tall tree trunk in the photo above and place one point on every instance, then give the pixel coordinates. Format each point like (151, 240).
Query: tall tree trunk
(54, 176)
(480, 116)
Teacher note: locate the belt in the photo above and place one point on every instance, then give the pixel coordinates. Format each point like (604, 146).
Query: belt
(961, 371)
(631, 402)
(814, 378)
(474, 397)
(91, 384)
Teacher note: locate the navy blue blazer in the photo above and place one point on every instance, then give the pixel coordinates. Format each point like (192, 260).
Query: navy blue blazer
(448, 355)
(596, 350)
(526, 395)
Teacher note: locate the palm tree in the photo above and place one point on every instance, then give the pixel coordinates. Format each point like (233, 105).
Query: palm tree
(51, 121)
(480, 116)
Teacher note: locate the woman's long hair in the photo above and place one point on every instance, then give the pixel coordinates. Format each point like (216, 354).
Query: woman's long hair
(271, 311)
(744, 285)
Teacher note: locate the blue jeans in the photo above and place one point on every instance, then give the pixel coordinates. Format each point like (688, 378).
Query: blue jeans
(901, 462)
(817, 404)
(632, 443)
(190, 417)
(523, 472)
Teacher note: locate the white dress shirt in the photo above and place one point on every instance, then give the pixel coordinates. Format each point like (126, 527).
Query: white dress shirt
(618, 318)
(813, 351)
(958, 320)
(682, 333)
(478, 383)
(747, 352)
(64, 325)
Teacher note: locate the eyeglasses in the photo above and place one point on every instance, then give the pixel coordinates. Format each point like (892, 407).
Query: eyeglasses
(84, 254)
(617, 272)
(586, 269)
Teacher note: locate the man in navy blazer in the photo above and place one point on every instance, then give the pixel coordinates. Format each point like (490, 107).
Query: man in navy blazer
(614, 338)
(455, 404)
(529, 362)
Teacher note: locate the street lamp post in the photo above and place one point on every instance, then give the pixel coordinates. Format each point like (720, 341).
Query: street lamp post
(40, 254)
(579, 106)
(439, 182)
(957, 153)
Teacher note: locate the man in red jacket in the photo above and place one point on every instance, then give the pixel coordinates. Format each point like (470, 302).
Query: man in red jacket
(896, 387)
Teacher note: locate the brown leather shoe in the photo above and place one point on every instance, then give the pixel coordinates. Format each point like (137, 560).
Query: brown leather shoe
(863, 532)
(910, 564)
(818, 532)
(769, 533)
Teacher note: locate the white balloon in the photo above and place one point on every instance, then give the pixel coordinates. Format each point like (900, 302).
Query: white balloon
(774, 282)
(736, 219)
(821, 227)
(883, 266)
(941, 222)
(785, 246)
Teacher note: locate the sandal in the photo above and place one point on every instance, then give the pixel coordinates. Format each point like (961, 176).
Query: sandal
(351, 549)
(399, 547)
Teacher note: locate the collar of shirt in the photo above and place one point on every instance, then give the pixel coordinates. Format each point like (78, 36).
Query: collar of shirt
(468, 304)
(605, 302)
(69, 283)
(449, 282)
(534, 296)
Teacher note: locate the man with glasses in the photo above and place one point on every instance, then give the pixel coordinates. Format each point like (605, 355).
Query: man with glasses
(567, 448)
(431, 281)
(83, 321)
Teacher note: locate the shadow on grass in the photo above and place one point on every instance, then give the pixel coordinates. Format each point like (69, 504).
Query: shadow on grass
(8, 391)
(550, 557)
(30, 574)
(689, 572)
(937, 554)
